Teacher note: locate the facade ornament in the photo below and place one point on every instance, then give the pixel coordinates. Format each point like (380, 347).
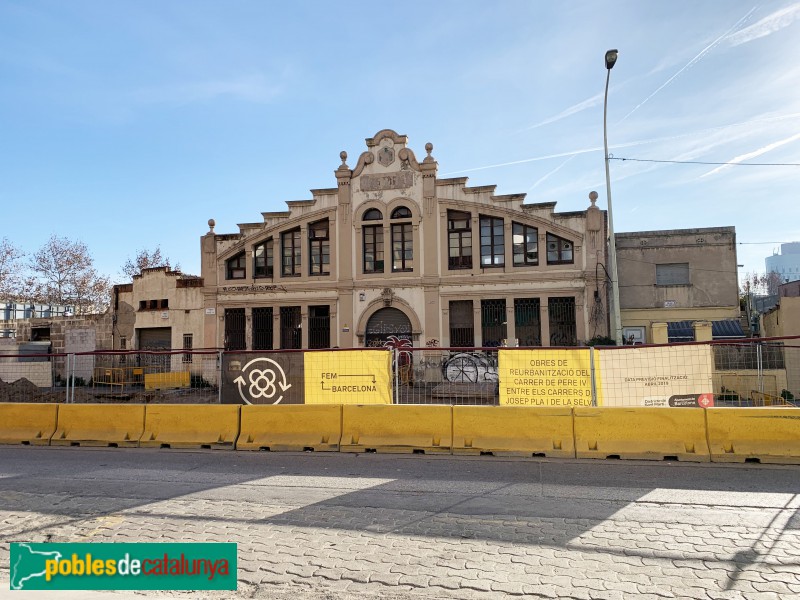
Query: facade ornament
(388, 296)
(211, 224)
(343, 156)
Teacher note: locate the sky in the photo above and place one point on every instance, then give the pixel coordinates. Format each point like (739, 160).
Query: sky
(128, 124)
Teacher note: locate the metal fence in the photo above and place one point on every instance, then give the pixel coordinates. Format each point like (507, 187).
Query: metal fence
(745, 373)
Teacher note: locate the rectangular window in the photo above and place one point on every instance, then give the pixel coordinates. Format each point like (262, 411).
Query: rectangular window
(291, 322)
(262, 328)
(263, 259)
(462, 324)
(527, 321)
(402, 247)
(142, 304)
(123, 343)
(459, 240)
(234, 329)
(493, 322)
(672, 274)
(164, 303)
(319, 248)
(492, 242)
(526, 245)
(235, 267)
(561, 314)
(187, 345)
(373, 248)
(153, 304)
(559, 250)
(290, 251)
(319, 327)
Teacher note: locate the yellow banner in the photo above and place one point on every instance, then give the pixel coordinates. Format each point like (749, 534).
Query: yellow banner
(544, 377)
(348, 377)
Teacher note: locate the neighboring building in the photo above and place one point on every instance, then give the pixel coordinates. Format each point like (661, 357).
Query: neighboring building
(784, 320)
(787, 263)
(394, 250)
(678, 277)
(159, 310)
(13, 315)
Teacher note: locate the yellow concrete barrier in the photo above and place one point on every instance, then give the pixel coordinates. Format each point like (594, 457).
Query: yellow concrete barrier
(641, 433)
(99, 425)
(190, 426)
(29, 424)
(767, 435)
(513, 431)
(290, 427)
(412, 428)
(166, 381)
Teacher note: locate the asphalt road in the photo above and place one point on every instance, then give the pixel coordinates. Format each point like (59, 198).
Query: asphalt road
(402, 526)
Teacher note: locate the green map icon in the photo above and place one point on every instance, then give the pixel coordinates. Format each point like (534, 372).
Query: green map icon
(28, 564)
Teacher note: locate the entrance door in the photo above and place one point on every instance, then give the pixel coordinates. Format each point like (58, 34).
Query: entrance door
(385, 322)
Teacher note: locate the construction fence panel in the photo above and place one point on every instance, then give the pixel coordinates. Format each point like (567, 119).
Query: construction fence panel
(33, 377)
(171, 376)
(450, 376)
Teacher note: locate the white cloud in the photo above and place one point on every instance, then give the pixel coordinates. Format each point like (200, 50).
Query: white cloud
(766, 26)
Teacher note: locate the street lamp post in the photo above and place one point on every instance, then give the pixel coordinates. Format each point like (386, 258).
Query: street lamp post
(616, 323)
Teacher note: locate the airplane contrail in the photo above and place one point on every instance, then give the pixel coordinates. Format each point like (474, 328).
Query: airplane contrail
(572, 153)
(544, 177)
(692, 62)
(767, 26)
(754, 154)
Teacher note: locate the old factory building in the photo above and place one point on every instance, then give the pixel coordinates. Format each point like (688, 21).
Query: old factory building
(393, 250)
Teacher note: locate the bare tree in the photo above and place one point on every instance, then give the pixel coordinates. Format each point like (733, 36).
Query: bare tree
(764, 284)
(63, 273)
(145, 259)
(11, 271)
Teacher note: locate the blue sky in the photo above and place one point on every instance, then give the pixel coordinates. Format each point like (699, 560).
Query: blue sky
(128, 125)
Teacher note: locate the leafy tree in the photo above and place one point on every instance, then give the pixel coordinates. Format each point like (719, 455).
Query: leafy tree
(11, 270)
(145, 259)
(63, 273)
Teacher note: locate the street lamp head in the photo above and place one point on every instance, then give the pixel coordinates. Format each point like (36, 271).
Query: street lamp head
(611, 58)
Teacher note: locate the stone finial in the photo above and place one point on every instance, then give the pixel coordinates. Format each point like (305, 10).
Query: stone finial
(429, 149)
(593, 197)
(211, 224)
(343, 156)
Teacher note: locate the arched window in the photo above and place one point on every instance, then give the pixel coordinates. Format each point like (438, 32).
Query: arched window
(402, 240)
(373, 242)
(401, 212)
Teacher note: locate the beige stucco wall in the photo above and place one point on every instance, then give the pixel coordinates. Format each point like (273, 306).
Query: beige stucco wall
(387, 175)
(184, 314)
(784, 320)
(712, 292)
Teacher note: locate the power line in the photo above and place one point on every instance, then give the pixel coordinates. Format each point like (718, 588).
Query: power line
(701, 162)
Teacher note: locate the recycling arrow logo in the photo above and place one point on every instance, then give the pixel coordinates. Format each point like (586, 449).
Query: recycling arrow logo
(265, 382)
